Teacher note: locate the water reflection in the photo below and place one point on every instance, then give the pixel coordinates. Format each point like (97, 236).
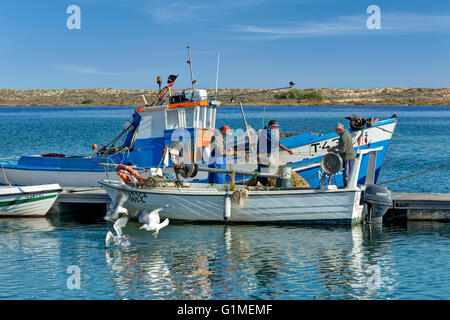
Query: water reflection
(198, 261)
(11, 225)
(257, 262)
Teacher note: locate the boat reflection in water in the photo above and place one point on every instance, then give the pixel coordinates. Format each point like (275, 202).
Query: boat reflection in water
(30, 242)
(210, 261)
(190, 261)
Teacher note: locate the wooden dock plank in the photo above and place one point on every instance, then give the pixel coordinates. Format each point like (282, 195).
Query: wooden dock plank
(445, 197)
(423, 206)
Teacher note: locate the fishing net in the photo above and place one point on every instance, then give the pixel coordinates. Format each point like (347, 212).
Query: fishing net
(239, 196)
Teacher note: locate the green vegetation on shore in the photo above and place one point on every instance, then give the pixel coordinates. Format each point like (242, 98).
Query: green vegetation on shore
(301, 95)
(288, 97)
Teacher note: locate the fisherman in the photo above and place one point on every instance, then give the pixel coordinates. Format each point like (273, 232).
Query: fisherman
(218, 155)
(345, 149)
(268, 150)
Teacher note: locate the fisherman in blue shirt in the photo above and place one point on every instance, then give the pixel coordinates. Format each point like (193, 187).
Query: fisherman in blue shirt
(268, 147)
(219, 155)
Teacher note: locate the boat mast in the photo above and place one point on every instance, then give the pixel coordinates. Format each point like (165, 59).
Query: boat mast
(247, 127)
(192, 73)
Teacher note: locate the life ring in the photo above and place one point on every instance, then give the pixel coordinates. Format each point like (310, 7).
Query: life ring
(125, 177)
(126, 173)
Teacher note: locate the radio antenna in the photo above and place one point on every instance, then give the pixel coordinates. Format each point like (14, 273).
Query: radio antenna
(217, 73)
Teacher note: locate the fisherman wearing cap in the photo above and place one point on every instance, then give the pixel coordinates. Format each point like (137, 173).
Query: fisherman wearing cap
(218, 155)
(268, 148)
(345, 149)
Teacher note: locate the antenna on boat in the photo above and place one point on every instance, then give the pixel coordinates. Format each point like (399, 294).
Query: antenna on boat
(192, 73)
(217, 73)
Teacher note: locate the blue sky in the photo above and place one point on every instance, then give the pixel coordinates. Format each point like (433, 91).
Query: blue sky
(263, 44)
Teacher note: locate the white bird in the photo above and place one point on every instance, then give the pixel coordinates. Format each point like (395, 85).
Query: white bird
(115, 207)
(119, 239)
(152, 221)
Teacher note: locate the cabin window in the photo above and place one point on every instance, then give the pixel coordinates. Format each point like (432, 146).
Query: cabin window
(189, 114)
(172, 121)
(198, 121)
(181, 119)
(203, 116)
(213, 117)
(210, 117)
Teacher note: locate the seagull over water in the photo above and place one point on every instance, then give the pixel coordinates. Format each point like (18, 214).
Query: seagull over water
(115, 207)
(119, 239)
(152, 221)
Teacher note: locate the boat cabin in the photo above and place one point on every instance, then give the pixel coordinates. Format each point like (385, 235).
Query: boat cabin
(189, 117)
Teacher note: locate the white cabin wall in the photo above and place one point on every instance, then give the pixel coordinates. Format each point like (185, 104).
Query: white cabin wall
(152, 125)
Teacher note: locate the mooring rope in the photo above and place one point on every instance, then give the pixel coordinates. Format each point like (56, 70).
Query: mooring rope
(416, 141)
(7, 183)
(416, 174)
(419, 142)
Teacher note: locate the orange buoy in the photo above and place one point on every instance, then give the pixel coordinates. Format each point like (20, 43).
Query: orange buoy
(94, 147)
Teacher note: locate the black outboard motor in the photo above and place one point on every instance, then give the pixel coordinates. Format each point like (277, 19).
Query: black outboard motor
(377, 200)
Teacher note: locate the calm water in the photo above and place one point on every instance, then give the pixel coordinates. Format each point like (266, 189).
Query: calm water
(406, 261)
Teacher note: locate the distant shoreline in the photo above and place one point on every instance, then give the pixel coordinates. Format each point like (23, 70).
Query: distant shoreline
(230, 105)
(390, 96)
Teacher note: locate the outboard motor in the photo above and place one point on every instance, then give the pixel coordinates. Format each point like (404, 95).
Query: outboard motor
(377, 200)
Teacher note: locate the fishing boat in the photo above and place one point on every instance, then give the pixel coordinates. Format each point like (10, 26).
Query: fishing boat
(28, 200)
(216, 203)
(190, 115)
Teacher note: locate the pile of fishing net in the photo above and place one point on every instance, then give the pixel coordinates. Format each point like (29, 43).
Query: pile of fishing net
(297, 181)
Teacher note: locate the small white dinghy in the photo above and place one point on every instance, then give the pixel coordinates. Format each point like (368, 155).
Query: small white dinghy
(204, 202)
(28, 200)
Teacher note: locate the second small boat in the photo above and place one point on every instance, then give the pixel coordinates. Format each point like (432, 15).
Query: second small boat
(28, 201)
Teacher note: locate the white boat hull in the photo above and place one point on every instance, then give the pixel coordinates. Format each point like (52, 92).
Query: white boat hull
(28, 201)
(340, 206)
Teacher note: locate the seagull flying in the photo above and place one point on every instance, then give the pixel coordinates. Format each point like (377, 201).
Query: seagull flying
(115, 207)
(119, 239)
(151, 220)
